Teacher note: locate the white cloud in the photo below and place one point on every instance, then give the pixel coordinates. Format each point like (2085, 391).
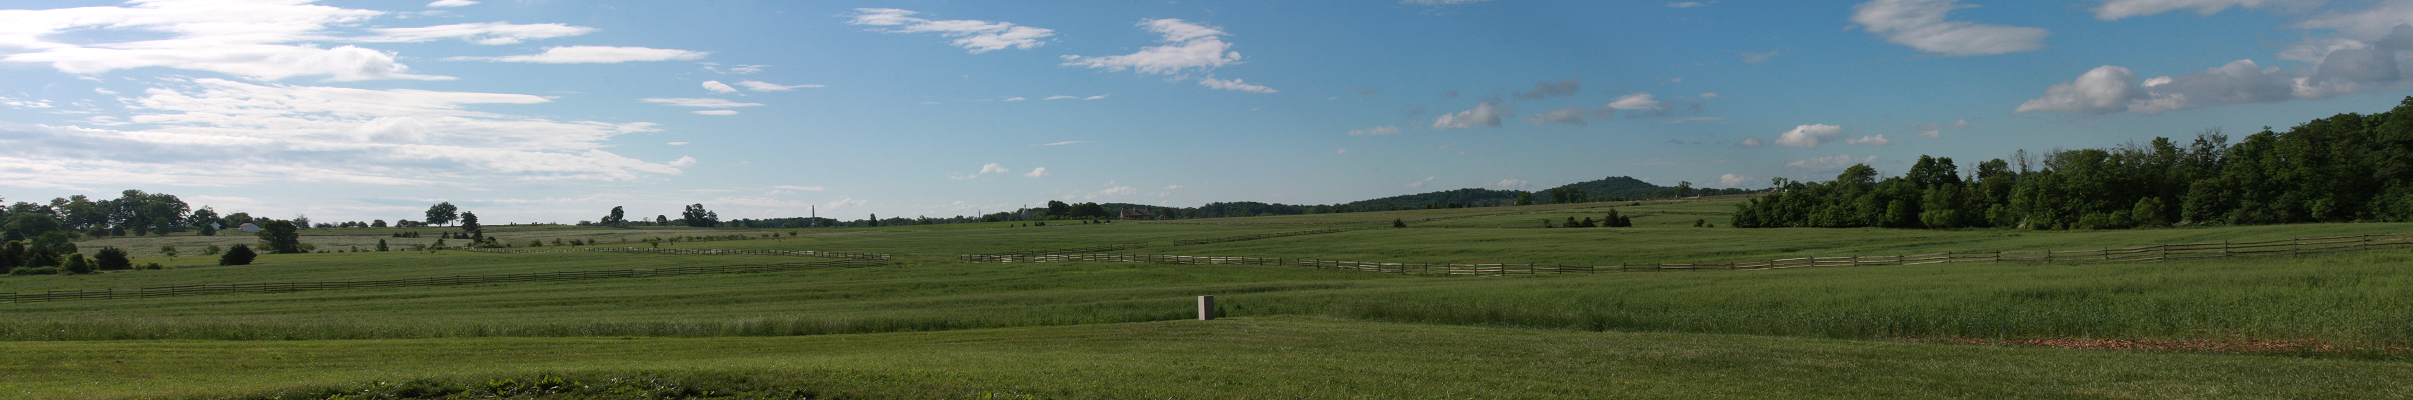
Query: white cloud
(1418, 184)
(1341, 151)
(1920, 24)
(593, 54)
(843, 203)
(1569, 115)
(1015, 99)
(1486, 114)
(1809, 135)
(1094, 97)
(1827, 164)
(973, 35)
(1732, 180)
(1375, 131)
(1061, 144)
(1635, 101)
(487, 33)
(2111, 89)
(801, 188)
(1061, 97)
(683, 162)
(1693, 119)
(1234, 84)
(1748, 143)
(2105, 89)
(1961, 124)
(1684, 4)
(1933, 130)
(1874, 140)
(718, 87)
(700, 102)
(992, 168)
(1188, 46)
(1708, 95)
(450, 3)
(24, 103)
(104, 91)
(1546, 89)
(1513, 184)
(761, 86)
(217, 132)
(1037, 172)
(1757, 57)
(1173, 187)
(265, 41)
(716, 112)
(2117, 9)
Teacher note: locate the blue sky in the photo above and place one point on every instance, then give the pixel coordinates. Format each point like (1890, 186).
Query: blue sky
(556, 111)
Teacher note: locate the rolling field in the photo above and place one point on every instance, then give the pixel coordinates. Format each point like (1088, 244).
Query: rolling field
(930, 326)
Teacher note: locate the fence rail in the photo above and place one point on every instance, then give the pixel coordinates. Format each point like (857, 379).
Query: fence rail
(287, 287)
(2165, 252)
(1091, 249)
(798, 253)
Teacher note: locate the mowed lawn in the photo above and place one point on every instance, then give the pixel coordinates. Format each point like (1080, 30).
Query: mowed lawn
(929, 326)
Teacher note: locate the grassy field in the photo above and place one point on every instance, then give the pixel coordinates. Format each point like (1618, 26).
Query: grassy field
(927, 326)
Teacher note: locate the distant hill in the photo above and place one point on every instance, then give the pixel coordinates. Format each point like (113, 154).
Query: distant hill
(1617, 186)
(1460, 196)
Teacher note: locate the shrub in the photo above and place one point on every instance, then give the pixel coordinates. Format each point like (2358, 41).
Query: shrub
(76, 264)
(1399, 223)
(211, 250)
(111, 259)
(238, 255)
(34, 271)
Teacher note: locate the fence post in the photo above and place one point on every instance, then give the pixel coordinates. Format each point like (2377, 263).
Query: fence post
(1206, 308)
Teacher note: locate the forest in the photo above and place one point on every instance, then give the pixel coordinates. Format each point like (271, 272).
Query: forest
(2347, 167)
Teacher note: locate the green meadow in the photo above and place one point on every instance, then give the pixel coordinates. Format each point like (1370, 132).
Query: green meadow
(929, 326)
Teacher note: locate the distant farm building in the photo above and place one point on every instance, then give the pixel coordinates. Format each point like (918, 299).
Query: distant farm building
(1134, 213)
(249, 227)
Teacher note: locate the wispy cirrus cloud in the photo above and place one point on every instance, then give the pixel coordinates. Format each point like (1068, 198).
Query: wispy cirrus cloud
(592, 55)
(975, 36)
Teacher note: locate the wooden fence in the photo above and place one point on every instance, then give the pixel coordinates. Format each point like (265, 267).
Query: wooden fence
(1091, 249)
(1273, 235)
(286, 287)
(798, 253)
(2166, 252)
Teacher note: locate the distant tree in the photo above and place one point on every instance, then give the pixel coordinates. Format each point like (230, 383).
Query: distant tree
(660, 220)
(697, 216)
(875, 220)
(1399, 223)
(381, 245)
(1684, 189)
(27, 225)
(469, 222)
(238, 219)
(168, 250)
(238, 255)
(12, 255)
(111, 259)
(280, 237)
(1524, 198)
(1058, 209)
(617, 219)
(202, 218)
(377, 224)
(442, 213)
(301, 221)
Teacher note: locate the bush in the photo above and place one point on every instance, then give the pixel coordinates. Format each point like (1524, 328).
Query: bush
(76, 264)
(34, 271)
(211, 250)
(1399, 223)
(112, 259)
(238, 255)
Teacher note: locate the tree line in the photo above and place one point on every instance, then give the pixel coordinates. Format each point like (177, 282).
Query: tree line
(2348, 167)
